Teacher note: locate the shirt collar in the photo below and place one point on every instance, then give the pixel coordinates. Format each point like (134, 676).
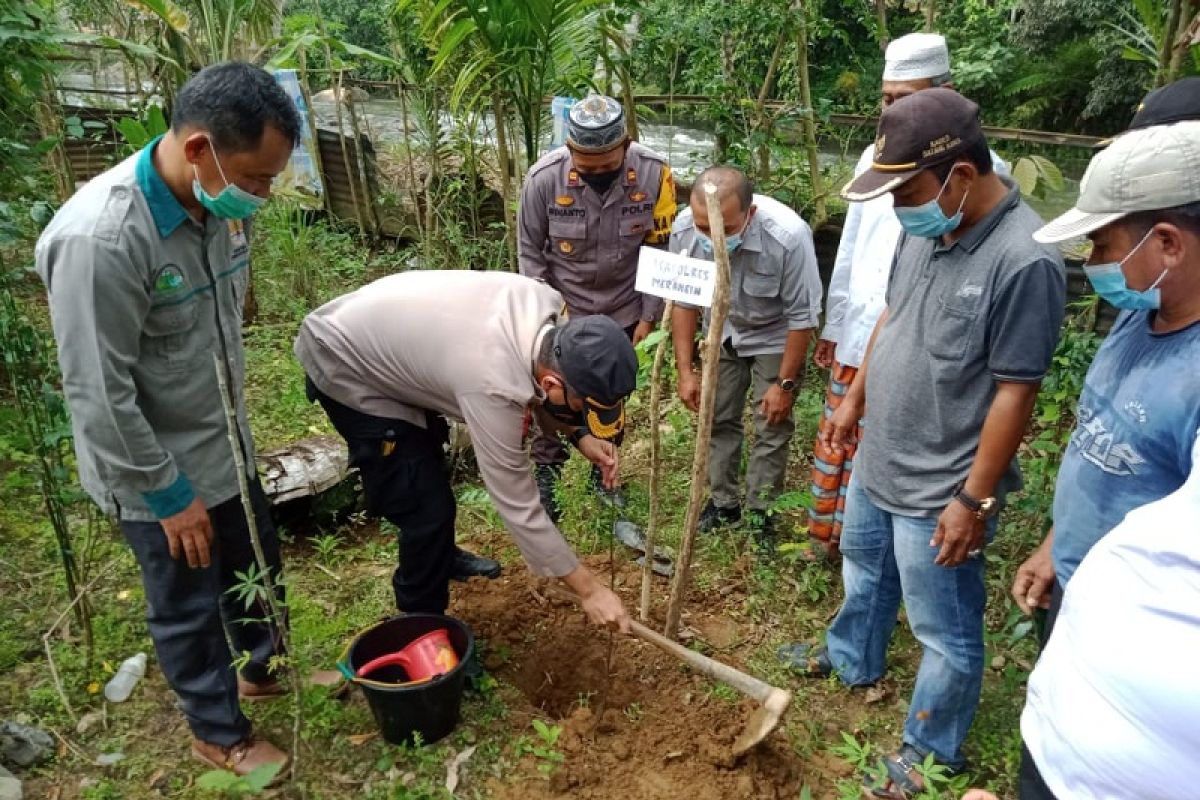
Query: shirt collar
(752, 239)
(978, 232)
(167, 211)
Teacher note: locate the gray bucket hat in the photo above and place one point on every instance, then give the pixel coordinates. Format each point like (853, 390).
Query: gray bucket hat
(596, 124)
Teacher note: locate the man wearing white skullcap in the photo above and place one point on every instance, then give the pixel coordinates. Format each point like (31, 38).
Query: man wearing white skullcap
(860, 273)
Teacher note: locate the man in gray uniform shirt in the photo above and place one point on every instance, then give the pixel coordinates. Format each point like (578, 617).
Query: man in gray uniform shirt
(774, 305)
(489, 349)
(586, 210)
(146, 270)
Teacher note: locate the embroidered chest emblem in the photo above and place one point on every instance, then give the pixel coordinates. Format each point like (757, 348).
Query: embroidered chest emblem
(169, 280)
(565, 200)
(566, 248)
(637, 196)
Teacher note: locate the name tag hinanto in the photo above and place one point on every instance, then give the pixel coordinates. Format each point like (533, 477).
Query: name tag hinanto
(676, 277)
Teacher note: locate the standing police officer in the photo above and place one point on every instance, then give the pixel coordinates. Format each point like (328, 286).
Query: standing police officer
(586, 209)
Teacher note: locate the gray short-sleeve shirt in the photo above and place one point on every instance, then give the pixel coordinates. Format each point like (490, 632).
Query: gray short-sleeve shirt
(961, 318)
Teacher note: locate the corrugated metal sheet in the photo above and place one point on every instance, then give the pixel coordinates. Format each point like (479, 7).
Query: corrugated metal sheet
(342, 188)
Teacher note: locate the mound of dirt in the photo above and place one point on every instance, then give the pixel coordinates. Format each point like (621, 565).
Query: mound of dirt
(635, 723)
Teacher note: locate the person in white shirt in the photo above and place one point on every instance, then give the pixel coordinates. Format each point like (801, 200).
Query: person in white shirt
(1112, 709)
(859, 281)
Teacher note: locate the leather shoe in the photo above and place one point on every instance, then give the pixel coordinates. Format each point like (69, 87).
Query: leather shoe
(810, 660)
(714, 516)
(468, 565)
(242, 758)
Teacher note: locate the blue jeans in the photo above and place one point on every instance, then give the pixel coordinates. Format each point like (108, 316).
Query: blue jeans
(887, 558)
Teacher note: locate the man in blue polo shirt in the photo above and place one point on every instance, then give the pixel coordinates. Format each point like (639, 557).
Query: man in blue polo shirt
(146, 271)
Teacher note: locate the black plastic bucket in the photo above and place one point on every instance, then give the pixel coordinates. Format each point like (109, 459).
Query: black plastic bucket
(430, 709)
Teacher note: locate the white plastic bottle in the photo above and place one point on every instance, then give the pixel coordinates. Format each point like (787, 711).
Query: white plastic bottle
(118, 689)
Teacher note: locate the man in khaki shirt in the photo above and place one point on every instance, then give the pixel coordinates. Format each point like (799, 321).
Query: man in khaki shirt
(489, 349)
(586, 210)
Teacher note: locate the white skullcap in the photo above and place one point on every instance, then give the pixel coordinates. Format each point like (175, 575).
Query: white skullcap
(915, 57)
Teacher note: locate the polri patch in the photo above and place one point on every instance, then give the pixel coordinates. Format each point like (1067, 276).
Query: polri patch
(637, 196)
(565, 200)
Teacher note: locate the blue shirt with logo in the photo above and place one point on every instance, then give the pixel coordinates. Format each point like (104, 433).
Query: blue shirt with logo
(1138, 418)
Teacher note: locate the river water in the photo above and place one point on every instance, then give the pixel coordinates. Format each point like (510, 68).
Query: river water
(689, 146)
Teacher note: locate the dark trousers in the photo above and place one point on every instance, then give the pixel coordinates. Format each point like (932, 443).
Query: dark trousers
(1029, 780)
(404, 475)
(548, 448)
(190, 611)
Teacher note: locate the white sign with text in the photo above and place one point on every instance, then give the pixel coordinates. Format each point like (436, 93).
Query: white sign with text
(676, 277)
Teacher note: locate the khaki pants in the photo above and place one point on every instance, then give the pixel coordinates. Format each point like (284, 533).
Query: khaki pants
(769, 453)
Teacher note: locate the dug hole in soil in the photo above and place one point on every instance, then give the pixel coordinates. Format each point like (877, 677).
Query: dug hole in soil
(652, 729)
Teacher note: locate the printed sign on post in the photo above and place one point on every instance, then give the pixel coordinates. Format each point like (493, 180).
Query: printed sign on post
(676, 277)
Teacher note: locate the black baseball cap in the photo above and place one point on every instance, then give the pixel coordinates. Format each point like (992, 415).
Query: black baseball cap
(598, 361)
(927, 128)
(1174, 102)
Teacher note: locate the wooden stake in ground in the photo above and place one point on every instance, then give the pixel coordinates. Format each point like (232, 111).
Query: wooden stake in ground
(268, 578)
(708, 398)
(660, 353)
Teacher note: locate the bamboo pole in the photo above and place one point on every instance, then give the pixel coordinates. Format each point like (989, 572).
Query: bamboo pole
(820, 212)
(339, 88)
(371, 209)
(660, 353)
(708, 398)
(268, 579)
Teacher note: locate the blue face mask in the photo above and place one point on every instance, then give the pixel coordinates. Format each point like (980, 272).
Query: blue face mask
(928, 220)
(233, 202)
(1109, 282)
(732, 241)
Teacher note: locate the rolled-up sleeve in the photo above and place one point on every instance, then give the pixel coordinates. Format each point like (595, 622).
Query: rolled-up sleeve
(497, 434)
(1024, 322)
(800, 284)
(97, 308)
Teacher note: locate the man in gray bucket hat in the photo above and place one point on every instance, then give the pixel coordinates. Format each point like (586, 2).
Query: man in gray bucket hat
(586, 210)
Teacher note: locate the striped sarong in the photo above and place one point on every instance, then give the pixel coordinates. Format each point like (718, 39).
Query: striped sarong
(831, 471)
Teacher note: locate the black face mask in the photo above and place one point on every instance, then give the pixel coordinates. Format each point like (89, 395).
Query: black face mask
(562, 412)
(600, 181)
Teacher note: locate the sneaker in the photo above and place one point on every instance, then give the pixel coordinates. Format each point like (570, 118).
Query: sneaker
(714, 516)
(547, 477)
(468, 565)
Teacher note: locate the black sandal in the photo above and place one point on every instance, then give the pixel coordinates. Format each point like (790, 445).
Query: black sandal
(894, 778)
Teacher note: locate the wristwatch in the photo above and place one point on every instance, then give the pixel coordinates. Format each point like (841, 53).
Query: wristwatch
(787, 384)
(983, 509)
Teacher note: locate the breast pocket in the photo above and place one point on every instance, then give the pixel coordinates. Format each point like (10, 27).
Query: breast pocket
(950, 333)
(568, 238)
(760, 293)
(171, 334)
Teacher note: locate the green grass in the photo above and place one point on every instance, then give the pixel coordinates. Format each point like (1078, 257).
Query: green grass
(786, 601)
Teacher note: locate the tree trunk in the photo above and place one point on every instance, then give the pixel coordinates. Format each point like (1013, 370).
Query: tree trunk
(1166, 48)
(881, 11)
(763, 123)
(510, 223)
(820, 213)
(930, 15)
